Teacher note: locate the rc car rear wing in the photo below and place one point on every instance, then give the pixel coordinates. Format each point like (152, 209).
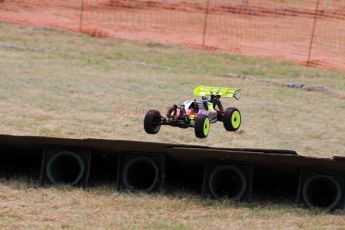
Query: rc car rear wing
(202, 90)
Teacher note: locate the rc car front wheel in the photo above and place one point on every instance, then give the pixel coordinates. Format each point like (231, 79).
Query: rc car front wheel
(202, 126)
(232, 119)
(151, 122)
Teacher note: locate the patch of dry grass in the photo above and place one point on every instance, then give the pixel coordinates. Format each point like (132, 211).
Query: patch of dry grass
(69, 85)
(26, 207)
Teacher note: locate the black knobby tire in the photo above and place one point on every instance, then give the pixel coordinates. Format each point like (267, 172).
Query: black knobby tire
(151, 118)
(232, 119)
(202, 126)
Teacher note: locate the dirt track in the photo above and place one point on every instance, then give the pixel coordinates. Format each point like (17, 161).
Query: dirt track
(280, 31)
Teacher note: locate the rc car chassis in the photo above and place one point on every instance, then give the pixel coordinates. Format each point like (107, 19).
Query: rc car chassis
(198, 114)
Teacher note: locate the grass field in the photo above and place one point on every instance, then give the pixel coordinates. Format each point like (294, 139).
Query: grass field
(70, 85)
(26, 207)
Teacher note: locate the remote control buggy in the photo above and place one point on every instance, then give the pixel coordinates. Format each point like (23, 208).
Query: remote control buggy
(198, 114)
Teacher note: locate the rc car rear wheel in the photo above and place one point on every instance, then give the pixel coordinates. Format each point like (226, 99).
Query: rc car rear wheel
(152, 117)
(202, 126)
(232, 119)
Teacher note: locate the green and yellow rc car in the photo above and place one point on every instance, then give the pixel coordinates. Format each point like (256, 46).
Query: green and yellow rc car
(198, 114)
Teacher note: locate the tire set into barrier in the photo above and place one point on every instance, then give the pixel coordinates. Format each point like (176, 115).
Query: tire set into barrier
(221, 179)
(321, 190)
(229, 180)
(219, 173)
(141, 173)
(62, 166)
(136, 173)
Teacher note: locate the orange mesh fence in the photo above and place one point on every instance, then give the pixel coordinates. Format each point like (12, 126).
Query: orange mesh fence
(62, 14)
(310, 31)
